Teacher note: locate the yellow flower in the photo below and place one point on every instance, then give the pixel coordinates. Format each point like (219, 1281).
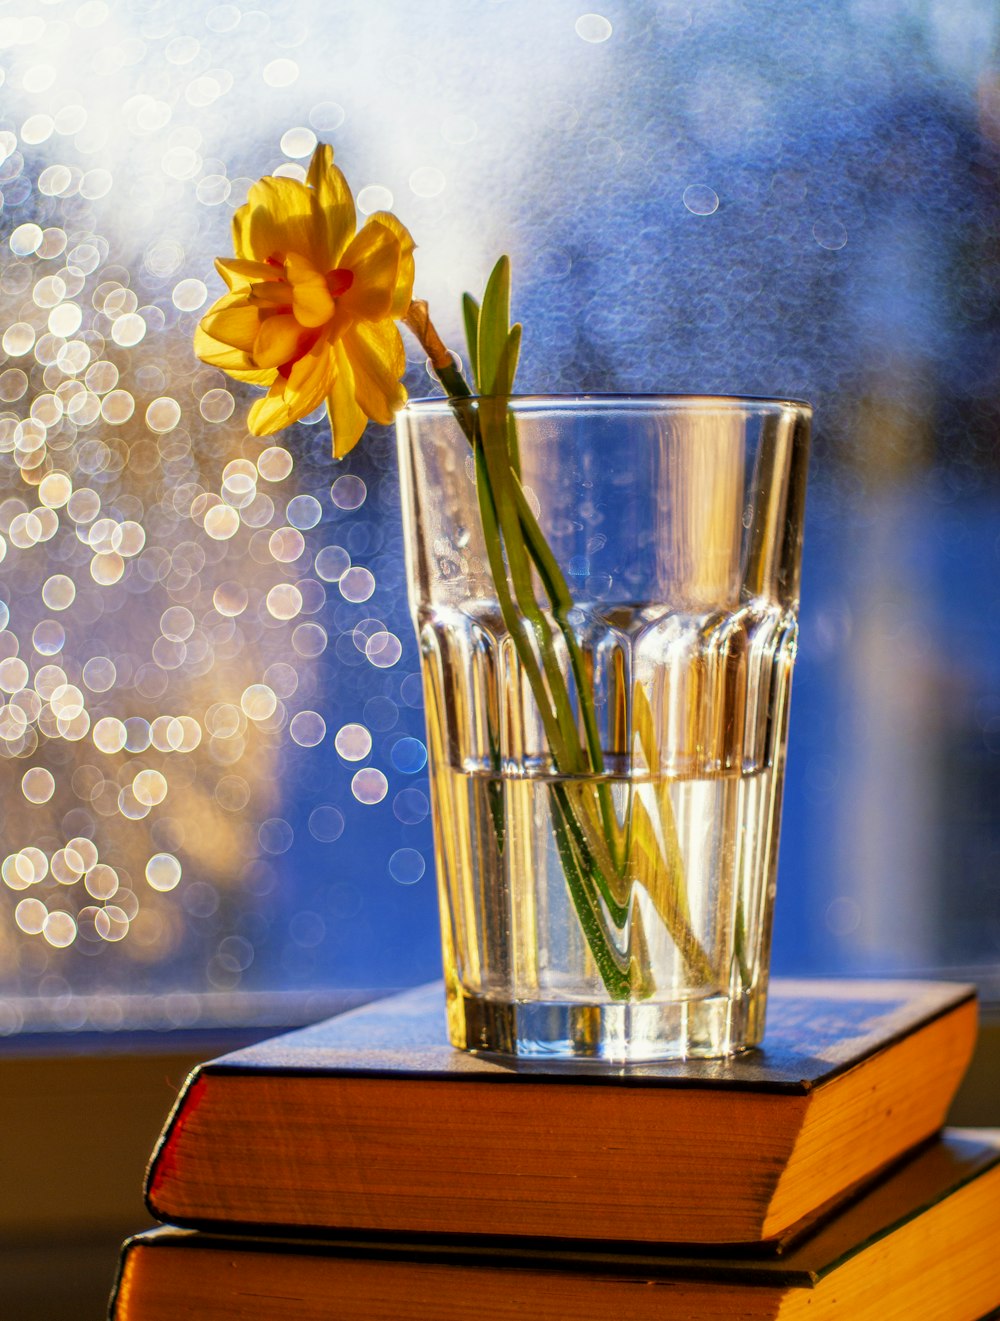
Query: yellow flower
(312, 305)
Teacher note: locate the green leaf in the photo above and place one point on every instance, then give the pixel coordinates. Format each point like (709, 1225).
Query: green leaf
(494, 322)
(502, 383)
(470, 313)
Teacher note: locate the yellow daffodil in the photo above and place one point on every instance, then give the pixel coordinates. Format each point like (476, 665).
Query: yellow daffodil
(312, 305)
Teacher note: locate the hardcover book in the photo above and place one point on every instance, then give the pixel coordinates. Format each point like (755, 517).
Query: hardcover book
(370, 1122)
(921, 1244)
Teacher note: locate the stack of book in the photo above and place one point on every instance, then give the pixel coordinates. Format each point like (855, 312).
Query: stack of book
(363, 1169)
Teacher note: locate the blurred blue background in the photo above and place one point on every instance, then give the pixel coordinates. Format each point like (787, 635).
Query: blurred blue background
(707, 197)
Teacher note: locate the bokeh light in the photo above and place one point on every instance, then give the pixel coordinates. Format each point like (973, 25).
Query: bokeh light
(191, 618)
(164, 619)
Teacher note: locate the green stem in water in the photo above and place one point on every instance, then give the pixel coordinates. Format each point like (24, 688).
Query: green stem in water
(617, 982)
(512, 531)
(562, 602)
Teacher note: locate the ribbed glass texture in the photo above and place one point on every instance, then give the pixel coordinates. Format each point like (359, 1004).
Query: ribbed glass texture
(605, 595)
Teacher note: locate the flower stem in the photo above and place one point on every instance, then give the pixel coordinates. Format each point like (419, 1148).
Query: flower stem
(593, 849)
(417, 319)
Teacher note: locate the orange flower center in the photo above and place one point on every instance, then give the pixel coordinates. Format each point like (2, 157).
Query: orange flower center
(339, 281)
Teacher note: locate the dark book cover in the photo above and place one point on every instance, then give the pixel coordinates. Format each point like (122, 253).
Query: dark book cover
(815, 1029)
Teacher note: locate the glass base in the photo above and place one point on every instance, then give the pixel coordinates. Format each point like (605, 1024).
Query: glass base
(709, 1028)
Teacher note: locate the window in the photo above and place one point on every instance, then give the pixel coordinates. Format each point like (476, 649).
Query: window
(213, 762)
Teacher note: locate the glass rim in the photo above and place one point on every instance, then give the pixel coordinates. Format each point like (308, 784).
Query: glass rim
(598, 401)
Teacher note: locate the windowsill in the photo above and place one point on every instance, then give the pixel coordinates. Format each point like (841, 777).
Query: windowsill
(82, 1112)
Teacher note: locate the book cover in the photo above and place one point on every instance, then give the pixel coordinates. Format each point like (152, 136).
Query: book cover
(371, 1121)
(923, 1242)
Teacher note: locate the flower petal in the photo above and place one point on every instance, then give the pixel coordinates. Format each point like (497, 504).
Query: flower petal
(232, 320)
(278, 341)
(403, 293)
(241, 233)
(239, 273)
(347, 419)
(377, 359)
(309, 381)
(234, 362)
(271, 413)
(311, 300)
(285, 216)
(374, 258)
(252, 376)
(334, 197)
(271, 294)
(311, 376)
